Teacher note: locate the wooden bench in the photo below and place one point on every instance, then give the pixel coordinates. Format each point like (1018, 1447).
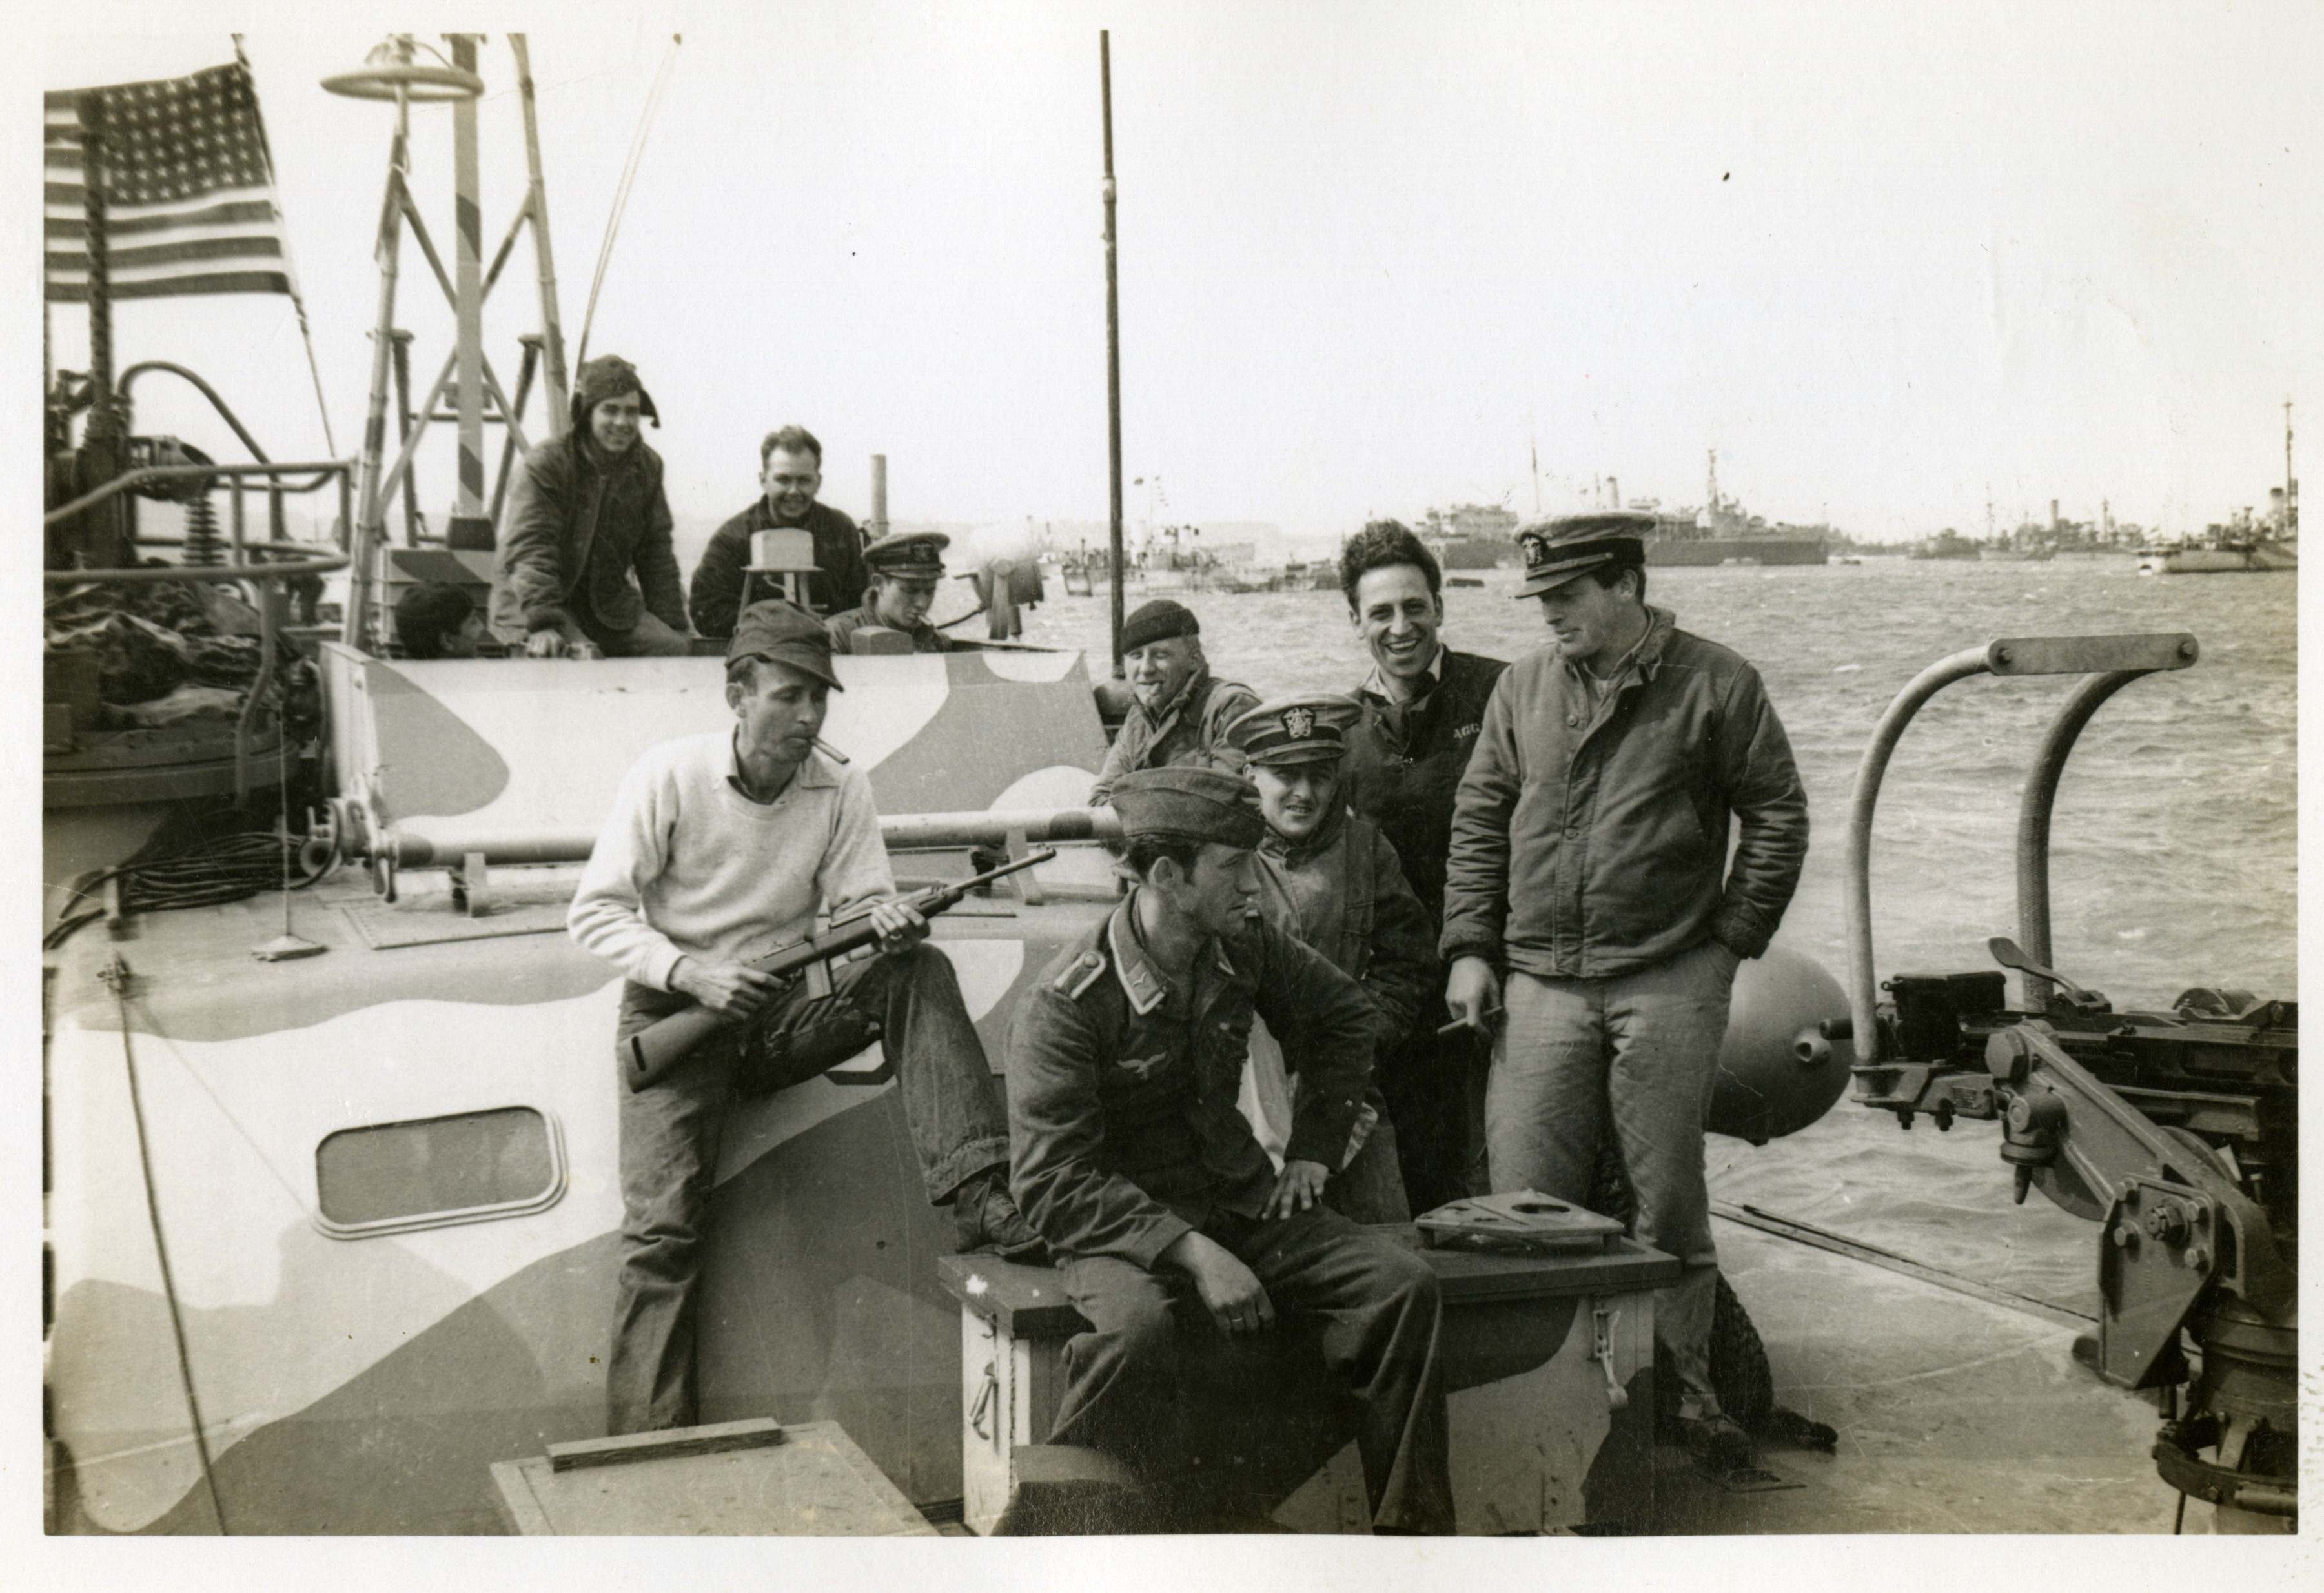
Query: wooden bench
(1549, 1370)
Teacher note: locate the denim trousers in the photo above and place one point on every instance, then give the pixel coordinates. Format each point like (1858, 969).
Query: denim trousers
(1634, 1055)
(911, 1001)
(1377, 1304)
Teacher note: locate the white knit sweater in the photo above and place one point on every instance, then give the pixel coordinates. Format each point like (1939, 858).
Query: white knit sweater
(686, 865)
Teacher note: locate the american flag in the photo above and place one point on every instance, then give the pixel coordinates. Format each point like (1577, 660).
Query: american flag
(188, 188)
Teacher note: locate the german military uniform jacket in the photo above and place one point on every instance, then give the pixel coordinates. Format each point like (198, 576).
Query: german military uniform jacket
(1123, 1130)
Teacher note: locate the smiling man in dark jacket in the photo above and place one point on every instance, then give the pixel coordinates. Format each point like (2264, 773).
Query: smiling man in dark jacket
(1589, 862)
(585, 546)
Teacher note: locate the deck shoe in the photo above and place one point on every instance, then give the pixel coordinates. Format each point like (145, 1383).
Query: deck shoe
(1716, 1440)
(984, 1218)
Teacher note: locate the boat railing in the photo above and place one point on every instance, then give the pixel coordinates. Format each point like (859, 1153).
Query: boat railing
(2112, 662)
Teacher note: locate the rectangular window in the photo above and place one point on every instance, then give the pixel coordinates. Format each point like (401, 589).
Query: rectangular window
(389, 1177)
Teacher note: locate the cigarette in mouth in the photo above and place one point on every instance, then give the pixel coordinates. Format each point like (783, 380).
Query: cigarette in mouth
(830, 751)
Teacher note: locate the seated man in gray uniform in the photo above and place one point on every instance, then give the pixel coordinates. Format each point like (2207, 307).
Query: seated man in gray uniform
(1330, 879)
(905, 570)
(1130, 1159)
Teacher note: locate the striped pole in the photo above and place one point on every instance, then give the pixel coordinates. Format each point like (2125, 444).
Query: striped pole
(469, 527)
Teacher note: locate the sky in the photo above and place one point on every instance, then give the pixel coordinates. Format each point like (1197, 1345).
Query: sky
(1891, 262)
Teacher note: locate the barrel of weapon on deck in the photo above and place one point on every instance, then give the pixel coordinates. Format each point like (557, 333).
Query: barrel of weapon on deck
(649, 1054)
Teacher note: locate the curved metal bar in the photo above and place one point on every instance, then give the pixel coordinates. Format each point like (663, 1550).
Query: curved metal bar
(302, 559)
(323, 469)
(206, 391)
(2034, 826)
(1856, 886)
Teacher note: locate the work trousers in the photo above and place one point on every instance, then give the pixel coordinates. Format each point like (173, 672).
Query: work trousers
(1634, 1055)
(1375, 1302)
(670, 1129)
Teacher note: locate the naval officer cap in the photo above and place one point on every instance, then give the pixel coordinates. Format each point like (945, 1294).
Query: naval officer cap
(784, 633)
(1182, 803)
(1557, 550)
(1307, 729)
(910, 555)
(1156, 621)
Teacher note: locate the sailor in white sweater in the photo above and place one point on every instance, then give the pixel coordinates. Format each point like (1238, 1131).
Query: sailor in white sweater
(719, 849)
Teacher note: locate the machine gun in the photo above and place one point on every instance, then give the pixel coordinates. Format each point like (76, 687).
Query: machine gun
(647, 1056)
(2177, 1132)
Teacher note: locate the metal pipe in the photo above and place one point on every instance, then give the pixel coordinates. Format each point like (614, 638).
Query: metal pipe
(364, 535)
(1857, 883)
(123, 482)
(878, 496)
(1113, 348)
(552, 330)
(2034, 827)
(304, 559)
(449, 844)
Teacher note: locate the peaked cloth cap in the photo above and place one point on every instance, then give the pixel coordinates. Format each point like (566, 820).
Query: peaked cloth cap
(609, 376)
(1557, 550)
(1311, 728)
(1189, 804)
(1159, 620)
(784, 633)
(915, 554)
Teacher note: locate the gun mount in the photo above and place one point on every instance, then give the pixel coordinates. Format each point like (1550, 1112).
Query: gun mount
(2177, 1132)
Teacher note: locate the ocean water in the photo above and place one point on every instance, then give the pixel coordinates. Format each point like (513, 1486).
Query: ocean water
(2173, 842)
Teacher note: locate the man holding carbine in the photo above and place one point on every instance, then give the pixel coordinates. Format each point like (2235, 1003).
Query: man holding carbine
(719, 850)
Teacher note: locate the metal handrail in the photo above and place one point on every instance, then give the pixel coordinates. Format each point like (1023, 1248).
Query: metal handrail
(2116, 660)
(323, 469)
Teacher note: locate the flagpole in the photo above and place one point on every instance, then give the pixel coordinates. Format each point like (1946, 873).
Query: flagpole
(1112, 344)
(104, 532)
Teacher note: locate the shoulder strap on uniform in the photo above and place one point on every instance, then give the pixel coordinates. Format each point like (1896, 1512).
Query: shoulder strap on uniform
(1079, 974)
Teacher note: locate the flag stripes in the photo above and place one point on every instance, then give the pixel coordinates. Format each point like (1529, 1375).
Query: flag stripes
(191, 203)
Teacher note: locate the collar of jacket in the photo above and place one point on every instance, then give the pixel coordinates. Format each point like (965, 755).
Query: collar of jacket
(1376, 685)
(1199, 681)
(1646, 657)
(1297, 854)
(1142, 980)
(588, 456)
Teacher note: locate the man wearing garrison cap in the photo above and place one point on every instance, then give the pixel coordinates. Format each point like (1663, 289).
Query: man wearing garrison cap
(1132, 1161)
(1330, 879)
(719, 849)
(1179, 710)
(905, 570)
(1591, 911)
(584, 544)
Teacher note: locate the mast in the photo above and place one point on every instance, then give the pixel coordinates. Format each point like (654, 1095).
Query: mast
(1112, 346)
(2291, 487)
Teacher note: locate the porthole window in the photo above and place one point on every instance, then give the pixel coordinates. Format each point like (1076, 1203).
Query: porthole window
(390, 1177)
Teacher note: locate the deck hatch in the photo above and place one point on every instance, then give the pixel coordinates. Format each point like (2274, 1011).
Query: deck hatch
(428, 1172)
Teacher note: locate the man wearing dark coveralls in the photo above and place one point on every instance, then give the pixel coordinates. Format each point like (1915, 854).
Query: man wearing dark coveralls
(1181, 711)
(1131, 1160)
(905, 570)
(790, 475)
(585, 546)
(719, 850)
(1423, 704)
(1330, 880)
(1590, 866)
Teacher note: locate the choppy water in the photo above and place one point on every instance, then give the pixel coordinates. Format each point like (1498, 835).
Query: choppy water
(2173, 846)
